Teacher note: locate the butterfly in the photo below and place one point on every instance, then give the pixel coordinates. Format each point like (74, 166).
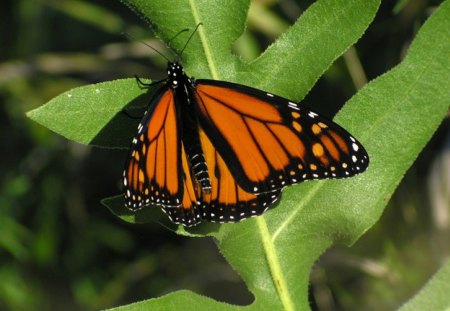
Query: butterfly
(209, 150)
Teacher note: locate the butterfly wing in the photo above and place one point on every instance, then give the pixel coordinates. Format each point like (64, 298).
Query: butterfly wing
(268, 142)
(227, 201)
(156, 171)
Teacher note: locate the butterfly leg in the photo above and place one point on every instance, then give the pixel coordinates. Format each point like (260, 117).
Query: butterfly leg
(131, 116)
(143, 84)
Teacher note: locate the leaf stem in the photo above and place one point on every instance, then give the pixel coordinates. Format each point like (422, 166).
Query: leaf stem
(274, 264)
(355, 68)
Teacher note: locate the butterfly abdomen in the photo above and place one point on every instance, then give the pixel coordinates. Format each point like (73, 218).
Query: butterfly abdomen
(197, 162)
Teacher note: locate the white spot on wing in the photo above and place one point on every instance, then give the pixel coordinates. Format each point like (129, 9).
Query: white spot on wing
(293, 105)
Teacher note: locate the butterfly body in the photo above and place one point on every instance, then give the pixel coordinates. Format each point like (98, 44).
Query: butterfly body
(182, 88)
(218, 151)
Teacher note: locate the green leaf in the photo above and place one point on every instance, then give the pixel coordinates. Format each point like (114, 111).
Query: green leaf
(93, 114)
(434, 295)
(181, 300)
(394, 116)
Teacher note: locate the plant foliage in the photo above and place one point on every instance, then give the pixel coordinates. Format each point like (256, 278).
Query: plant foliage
(393, 116)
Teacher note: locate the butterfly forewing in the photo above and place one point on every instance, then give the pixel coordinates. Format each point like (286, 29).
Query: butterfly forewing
(269, 142)
(153, 165)
(156, 171)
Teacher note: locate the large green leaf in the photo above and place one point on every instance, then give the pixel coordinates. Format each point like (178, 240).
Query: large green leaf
(394, 116)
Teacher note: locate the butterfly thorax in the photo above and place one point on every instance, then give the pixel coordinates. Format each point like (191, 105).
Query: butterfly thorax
(182, 87)
(176, 76)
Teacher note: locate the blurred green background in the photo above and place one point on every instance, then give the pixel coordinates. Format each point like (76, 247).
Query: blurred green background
(60, 249)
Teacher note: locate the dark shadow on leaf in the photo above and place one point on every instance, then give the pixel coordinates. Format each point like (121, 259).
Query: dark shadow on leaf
(119, 132)
(116, 205)
(151, 213)
(205, 228)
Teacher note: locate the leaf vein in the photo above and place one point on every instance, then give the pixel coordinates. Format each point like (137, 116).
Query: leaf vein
(204, 41)
(274, 265)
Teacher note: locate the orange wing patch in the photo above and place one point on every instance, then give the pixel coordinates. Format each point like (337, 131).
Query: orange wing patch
(246, 104)
(227, 201)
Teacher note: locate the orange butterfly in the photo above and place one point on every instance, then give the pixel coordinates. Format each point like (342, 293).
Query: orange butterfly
(219, 151)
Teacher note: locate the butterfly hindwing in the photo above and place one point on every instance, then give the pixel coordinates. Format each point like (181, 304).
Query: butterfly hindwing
(186, 213)
(269, 142)
(227, 201)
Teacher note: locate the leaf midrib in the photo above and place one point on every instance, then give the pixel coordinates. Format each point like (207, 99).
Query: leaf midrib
(274, 265)
(204, 41)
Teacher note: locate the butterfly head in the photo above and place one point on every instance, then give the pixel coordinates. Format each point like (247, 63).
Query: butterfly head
(175, 74)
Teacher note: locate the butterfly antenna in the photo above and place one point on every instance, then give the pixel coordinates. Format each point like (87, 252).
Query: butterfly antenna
(176, 35)
(190, 37)
(171, 49)
(147, 45)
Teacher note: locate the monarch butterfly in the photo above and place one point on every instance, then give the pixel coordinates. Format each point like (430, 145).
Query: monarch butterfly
(219, 151)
